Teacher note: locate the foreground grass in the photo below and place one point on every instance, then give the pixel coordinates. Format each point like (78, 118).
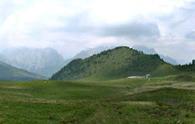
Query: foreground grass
(124, 101)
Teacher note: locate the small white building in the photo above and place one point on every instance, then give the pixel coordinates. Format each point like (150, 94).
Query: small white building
(147, 76)
(132, 77)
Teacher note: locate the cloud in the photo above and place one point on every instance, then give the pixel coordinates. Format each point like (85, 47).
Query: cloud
(72, 25)
(77, 24)
(135, 30)
(191, 35)
(181, 21)
(181, 51)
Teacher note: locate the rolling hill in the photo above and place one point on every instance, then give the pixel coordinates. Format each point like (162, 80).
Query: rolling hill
(119, 62)
(8, 72)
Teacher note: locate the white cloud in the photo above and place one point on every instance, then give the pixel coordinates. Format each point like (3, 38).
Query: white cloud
(72, 25)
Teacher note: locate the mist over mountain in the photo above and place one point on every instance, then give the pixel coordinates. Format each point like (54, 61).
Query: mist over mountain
(2, 58)
(88, 52)
(8, 72)
(40, 61)
(169, 60)
(147, 50)
(91, 51)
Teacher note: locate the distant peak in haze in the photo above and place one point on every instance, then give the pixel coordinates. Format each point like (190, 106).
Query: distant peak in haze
(43, 61)
(145, 49)
(91, 51)
(9, 72)
(151, 51)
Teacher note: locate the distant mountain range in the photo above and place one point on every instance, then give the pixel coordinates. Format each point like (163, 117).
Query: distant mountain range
(40, 61)
(119, 62)
(8, 72)
(48, 61)
(147, 50)
(87, 53)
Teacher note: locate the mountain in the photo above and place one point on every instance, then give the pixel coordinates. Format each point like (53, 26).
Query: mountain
(119, 62)
(147, 50)
(87, 53)
(169, 59)
(8, 72)
(40, 61)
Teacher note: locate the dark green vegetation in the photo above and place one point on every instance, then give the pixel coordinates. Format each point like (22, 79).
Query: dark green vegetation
(120, 62)
(187, 68)
(8, 72)
(163, 100)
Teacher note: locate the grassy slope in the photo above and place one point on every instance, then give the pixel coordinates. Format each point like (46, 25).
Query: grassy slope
(120, 62)
(165, 100)
(8, 72)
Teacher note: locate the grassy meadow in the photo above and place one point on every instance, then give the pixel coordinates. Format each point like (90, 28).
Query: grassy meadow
(162, 100)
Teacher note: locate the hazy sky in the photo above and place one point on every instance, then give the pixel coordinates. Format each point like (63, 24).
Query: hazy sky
(72, 25)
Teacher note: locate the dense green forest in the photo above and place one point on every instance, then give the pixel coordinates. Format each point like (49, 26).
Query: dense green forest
(187, 67)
